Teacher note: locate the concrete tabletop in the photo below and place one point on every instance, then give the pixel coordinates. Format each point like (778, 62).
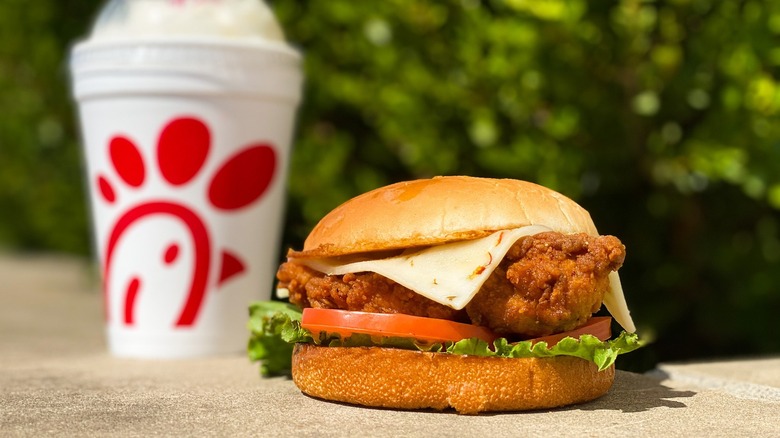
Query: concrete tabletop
(57, 379)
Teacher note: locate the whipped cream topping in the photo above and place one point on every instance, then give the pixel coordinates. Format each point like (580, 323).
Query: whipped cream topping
(242, 19)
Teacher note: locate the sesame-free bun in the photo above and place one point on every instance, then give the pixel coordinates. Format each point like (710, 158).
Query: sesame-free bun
(406, 379)
(438, 210)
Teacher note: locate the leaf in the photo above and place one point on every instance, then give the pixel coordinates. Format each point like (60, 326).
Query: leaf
(276, 327)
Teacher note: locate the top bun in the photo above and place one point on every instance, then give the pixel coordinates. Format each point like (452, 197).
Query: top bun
(438, 210)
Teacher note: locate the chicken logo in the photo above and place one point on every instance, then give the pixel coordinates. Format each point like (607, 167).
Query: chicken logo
(185, 244)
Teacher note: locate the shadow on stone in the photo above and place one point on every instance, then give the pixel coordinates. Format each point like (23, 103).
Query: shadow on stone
(637, 393)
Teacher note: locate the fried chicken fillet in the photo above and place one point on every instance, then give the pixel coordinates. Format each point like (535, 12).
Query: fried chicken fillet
(547, 283)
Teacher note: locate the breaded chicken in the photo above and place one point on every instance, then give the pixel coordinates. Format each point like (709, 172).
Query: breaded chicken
(547, 283)
(365, 292)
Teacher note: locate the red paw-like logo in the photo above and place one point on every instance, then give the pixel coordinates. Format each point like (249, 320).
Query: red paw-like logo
(182, 151)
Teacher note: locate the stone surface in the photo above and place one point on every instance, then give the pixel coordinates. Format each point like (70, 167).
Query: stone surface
(56, 379)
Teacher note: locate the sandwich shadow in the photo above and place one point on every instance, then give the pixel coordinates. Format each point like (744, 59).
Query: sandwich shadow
(636, 393)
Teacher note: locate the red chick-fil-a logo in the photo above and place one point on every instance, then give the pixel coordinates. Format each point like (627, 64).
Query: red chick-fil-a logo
(182, 150)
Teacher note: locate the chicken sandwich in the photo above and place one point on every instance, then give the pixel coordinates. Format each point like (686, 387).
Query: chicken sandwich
(453, 292)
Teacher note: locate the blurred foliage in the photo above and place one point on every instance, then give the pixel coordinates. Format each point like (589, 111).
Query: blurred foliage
(660, 117)
(42, 201)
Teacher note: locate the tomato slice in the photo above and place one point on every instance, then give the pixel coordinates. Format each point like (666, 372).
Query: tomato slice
(346, 323)
(599, 326)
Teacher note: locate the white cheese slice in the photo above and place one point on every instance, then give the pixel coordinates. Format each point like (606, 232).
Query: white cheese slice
(282, 293)
(453, 273)
(449, 274)
(615, 302)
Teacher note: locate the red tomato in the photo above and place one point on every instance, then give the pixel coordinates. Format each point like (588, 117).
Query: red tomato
(598, 326)
(345, 323)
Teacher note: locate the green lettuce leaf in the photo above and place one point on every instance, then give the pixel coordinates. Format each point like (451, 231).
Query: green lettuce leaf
(588, 347)
(275, 327)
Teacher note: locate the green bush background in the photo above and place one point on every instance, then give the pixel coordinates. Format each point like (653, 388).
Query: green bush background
(660, 117)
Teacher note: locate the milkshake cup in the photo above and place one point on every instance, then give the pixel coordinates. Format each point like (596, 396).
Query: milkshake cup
(187, 111)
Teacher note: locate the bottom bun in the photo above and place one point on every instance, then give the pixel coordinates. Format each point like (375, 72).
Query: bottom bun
(405, 379)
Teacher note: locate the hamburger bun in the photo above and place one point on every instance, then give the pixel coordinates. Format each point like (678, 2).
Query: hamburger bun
(405, 379)
(438, 210)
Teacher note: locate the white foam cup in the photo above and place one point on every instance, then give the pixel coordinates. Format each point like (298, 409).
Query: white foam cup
(187, 144)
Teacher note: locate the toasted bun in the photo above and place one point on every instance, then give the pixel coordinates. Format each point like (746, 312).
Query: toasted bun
(404, 379)
(442, 209)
